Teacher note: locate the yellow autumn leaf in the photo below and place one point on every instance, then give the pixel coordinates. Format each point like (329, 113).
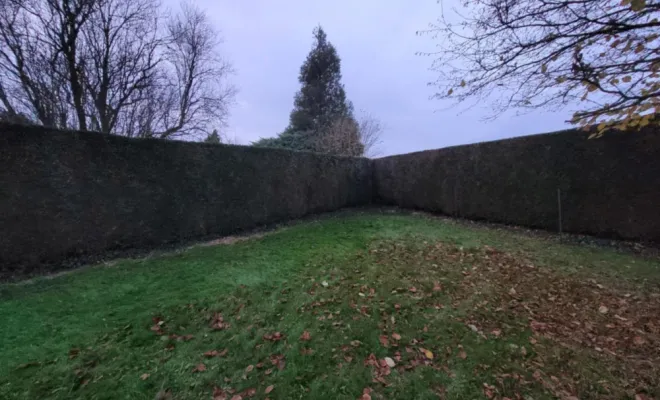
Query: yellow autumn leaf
(626, 79)
(645, 120)
(462, 83)
(561, 79)
(450, 92)
(428, 354)
(544, 68)
(637, 5)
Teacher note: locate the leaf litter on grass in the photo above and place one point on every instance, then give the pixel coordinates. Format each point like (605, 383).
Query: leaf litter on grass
(616, 327)
(478, 322)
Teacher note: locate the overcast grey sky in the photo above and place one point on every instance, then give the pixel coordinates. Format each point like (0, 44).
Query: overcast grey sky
(268, 40)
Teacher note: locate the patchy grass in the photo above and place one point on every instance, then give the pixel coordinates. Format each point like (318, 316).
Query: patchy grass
(363, 305)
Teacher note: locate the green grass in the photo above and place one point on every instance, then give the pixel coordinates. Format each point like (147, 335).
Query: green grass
(86, 334)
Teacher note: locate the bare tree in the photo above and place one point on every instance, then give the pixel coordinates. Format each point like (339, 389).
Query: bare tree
(370, 130)
(350, 137)
(28, 65)
(117, 66)
(603, 54)
(342, 137)
(197, 96)
(121, 58)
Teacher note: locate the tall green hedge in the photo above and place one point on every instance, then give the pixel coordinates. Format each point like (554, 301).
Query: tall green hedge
(609, 186)
(66, 194)
(71, 194)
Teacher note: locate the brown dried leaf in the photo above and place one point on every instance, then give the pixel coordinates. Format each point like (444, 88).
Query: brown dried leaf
(384, 341)
(219, 394)
(306, 336)
(366, 394)
(73, 353)
(199, 368)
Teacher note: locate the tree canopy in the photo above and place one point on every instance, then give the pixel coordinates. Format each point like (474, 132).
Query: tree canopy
(124, 67)
(603, 55)
(318, 105)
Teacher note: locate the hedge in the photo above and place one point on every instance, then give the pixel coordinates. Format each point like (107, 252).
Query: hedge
(608, 187)
(66, 194)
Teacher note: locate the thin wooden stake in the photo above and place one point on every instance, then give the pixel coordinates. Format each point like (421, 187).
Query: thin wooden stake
(559, 208)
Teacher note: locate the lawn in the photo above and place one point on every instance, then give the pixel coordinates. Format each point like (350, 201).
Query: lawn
(356, 305)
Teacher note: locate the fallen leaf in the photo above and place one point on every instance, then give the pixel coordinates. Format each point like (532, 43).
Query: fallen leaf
(496, 332)
(638, 340)
(223, 353)
(273, 337)
(249, 368)
(269, 389)
(73, 353)
(164, 395)
(218, 323)
(462, 354)
(219, 394)
(249, 392)
(355, 343)
(200, 368)
(366, 394)
(306, 351)
(412, 289)
(144, 377)
(390, 363)
(305, 336)
(396, 336)
(437, 286)
(325, 284)
(427, 353)
(397, 306)
(211, 353)
(383, 341)
(488, 391)
(602, 309)
(512, 292)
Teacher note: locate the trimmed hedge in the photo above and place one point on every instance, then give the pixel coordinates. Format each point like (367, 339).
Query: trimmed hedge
(71, 195)
(610, 186)
(65, 194)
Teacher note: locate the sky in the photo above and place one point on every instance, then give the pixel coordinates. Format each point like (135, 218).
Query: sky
(267, 41)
